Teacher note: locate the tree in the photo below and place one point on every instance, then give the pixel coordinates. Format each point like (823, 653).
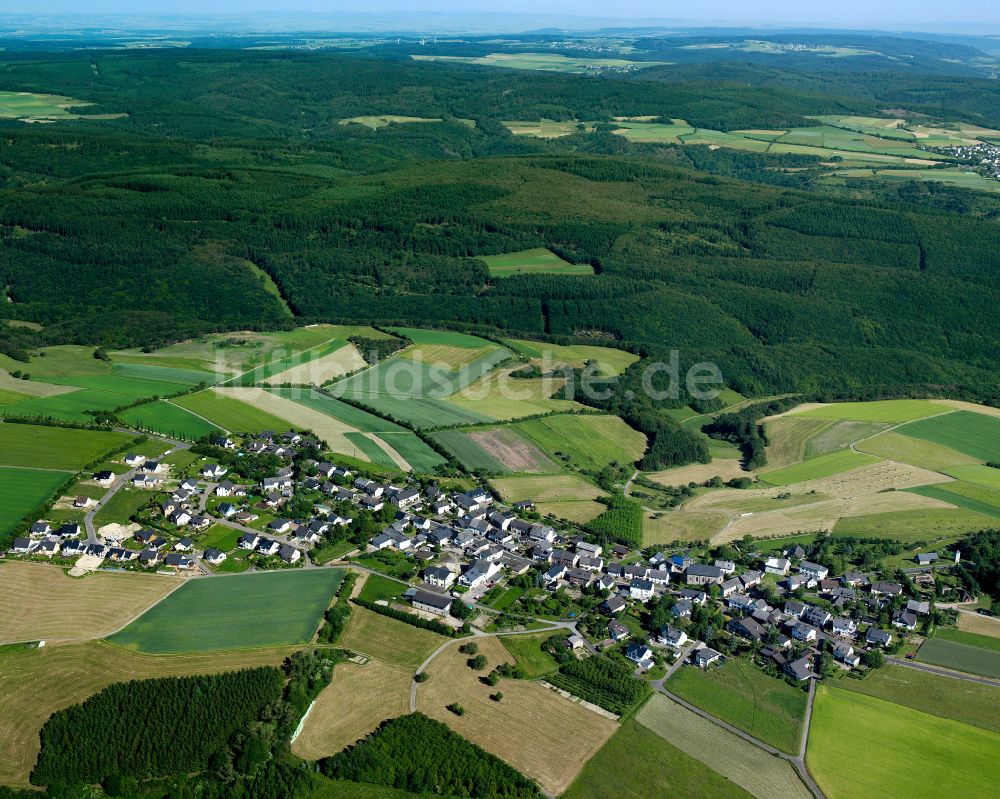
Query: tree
(478, 662)
(873, 659)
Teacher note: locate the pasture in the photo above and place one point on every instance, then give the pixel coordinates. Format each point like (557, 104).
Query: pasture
(413, 450)
(817, 468)
(960, 700)
(527, 651)
(961, 655)
(393, 642)
(503, 398)
(384, 120)
(973, 434)
(230, 413)
(914, 525)
(34, 107)
(525, 728)
(964, 495)
(585, 441)
(38, 601)
(165, 417)
(918, 755)
(35, 683)
(726, 468)
(788, 437)
(738, 692)
(639, 764)
(445, 338)
(55, 447)
(366, 448)
(575, 511)
(357, 700)
(925, 454)
(538, 261)
(24, 490)
(235, 612)
(750, 767)
(547, 128)
(546, 488)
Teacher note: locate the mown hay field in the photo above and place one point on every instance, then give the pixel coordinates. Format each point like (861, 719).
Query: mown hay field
(39, 602)
(357, 700)
(541, 734)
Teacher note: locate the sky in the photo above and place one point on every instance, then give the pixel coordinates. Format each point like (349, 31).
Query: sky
(899, 15)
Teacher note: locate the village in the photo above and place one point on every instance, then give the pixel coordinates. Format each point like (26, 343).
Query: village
(465, 555)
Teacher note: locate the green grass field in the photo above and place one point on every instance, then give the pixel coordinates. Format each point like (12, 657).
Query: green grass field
(348, 414)
(611, 361)
(960, 656)
(122, 505)
(240, 612)
(914, 451)
(416, 452)
(965, 637)
(377, 587)
(740, 693)
(231, 414)
(527, 650)
(220, 537)
(55, 447)
(636, 763)
(22, 491)
(422, 412)
(862, 746)
(472, 456)
(974, 434)
(167, 418)
(960, 700)
(447, 338)
(371, 449)
(914, 525)
(889, 411)
(538, 261)
(968, 496)
(590, 442)
(816, 468)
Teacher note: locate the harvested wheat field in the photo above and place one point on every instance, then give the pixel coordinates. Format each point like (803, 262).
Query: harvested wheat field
(39, 602)
(513, 450)
(359, 698)
(394, 642)
(980, 625)
(539, 733)
(322, 370)
(727, 469)
(35, 683)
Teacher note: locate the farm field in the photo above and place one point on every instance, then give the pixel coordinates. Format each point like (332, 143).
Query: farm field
(230, 413)
(241, 611)
(788, 437)
(443, 338)
(663, 527)
(357, 700)
(919, 755)
(34, 107)
(887, 411)
(639, 764)
(368, 449)
(546, 128)
(726, 468)
(538, 261)
(544, 62)
(332, 361)
(505, 399)
(384, 120)
(740, 693)
(39, 602)
(167, 418)
(413, 450)
(546, 488)
(980, 625)
(818, 468)
(23, 490)
(973, 434)
(126, 502)
(527, 651)
(925, 454)
(961, 656)
(471, 454)
(587, 441)
(840, 436)
(340, 410)
(959, 700)
(38, 682)
(525, 728)
(393, 642)
(751, 768)
(55, 447)
(610, 361)
(965, 495)
(914, 525)
(576, 511)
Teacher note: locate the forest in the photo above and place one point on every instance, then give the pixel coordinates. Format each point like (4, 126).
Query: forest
(186, 215)
(418, 754)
